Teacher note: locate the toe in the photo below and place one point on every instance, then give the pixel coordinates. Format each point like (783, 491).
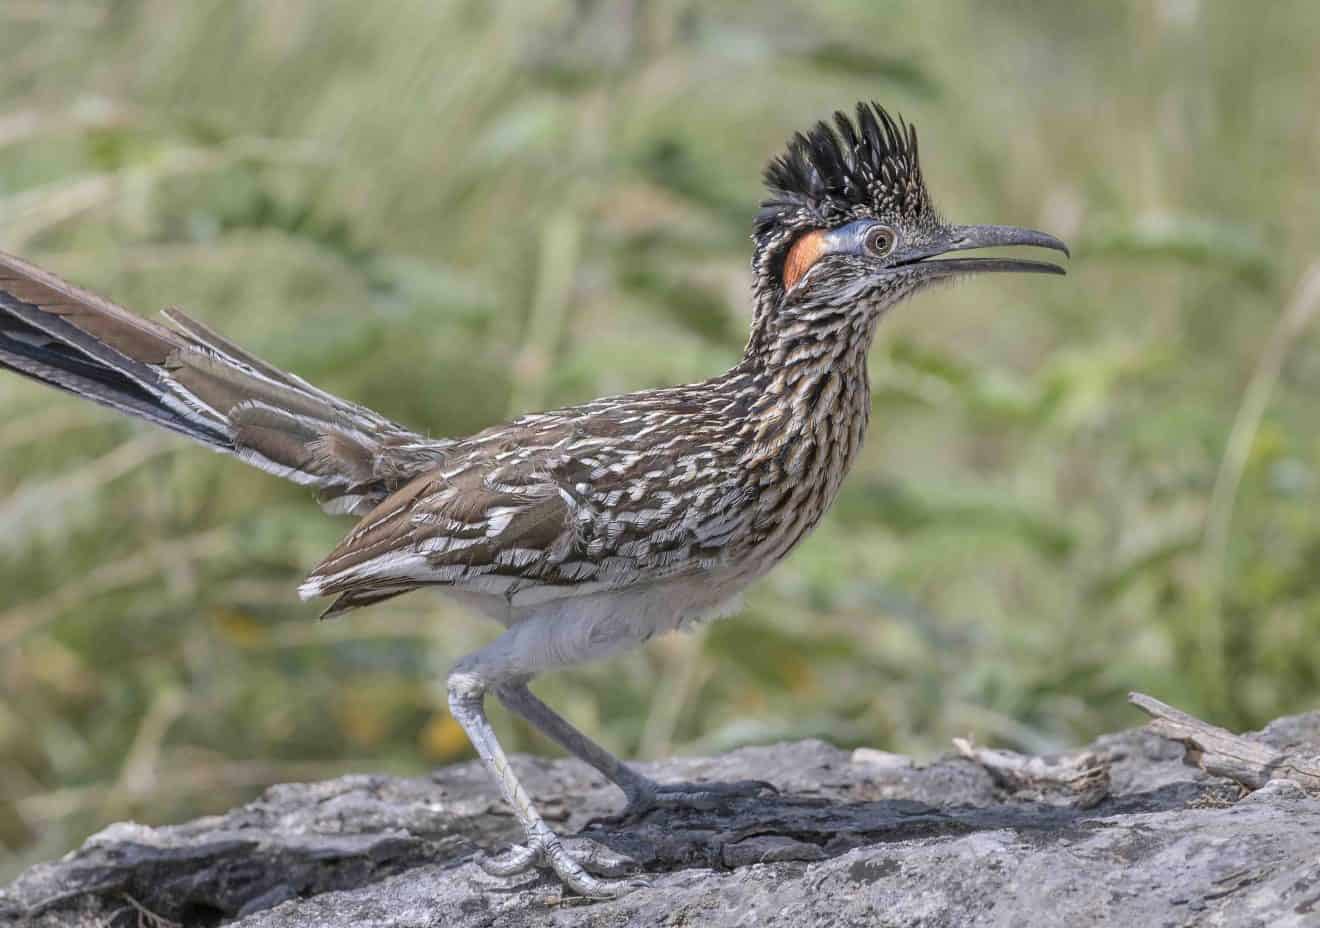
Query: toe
(575, 876)
(710, 795)
(518, 859)
(584, 866)
(736, 789)
(598, 859)
(700, 796)
(596, 888)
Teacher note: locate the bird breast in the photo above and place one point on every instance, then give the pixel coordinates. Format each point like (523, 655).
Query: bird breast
(805, 439)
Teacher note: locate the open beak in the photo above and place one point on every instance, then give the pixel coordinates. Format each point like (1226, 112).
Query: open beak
(965, 238)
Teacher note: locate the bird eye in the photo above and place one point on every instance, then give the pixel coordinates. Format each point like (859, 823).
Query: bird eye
(880, 241)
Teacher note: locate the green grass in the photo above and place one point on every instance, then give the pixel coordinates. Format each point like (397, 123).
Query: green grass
(530, 204)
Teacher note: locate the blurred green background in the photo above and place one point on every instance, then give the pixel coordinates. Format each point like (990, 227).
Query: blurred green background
(1071, 487)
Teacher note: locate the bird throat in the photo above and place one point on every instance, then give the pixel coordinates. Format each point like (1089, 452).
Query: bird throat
(806, 423)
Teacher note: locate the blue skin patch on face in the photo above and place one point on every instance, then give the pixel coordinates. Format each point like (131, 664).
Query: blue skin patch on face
(849, 239)
(866, 238)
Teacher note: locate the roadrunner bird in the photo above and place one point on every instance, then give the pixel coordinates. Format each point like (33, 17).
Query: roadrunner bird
(585, 530)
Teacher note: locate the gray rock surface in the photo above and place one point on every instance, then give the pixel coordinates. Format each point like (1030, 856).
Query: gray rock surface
(862, 839)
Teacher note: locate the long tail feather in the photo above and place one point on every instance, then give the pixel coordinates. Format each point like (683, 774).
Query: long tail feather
(196, 382)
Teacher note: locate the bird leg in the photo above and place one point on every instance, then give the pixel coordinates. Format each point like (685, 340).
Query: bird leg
(529, 647)
(544, 848)
(642, 793)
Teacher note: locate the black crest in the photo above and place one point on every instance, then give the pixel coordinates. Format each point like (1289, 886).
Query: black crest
(865, 165)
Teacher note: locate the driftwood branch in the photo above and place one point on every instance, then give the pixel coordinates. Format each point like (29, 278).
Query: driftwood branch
(1241, 758)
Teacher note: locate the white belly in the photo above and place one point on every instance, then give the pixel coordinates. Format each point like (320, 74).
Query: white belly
(571, 629)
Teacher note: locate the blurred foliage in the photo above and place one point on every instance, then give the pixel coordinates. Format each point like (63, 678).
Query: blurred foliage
(534, 203)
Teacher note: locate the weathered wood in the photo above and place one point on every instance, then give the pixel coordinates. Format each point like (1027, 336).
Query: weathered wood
(1241, 758)
(992, 838)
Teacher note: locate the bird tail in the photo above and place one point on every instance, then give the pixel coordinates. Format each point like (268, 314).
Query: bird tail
(194, 381)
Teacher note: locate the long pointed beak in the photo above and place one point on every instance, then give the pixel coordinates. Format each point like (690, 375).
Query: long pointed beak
(965, 238)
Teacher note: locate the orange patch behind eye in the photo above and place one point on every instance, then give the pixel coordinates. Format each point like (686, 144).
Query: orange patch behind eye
(802, 256)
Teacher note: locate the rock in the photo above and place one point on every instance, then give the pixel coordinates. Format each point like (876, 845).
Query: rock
(847, 841)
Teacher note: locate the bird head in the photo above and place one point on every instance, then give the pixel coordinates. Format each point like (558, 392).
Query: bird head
(849, 223)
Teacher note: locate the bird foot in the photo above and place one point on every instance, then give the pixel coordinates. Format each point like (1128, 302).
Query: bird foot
(580, 864)
(650, 795)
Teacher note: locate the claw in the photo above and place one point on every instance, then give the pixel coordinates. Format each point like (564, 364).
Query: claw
(598, 859)
(576, 871)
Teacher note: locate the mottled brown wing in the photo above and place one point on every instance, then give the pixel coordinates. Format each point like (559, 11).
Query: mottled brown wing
(599, 497)
(479, 525)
